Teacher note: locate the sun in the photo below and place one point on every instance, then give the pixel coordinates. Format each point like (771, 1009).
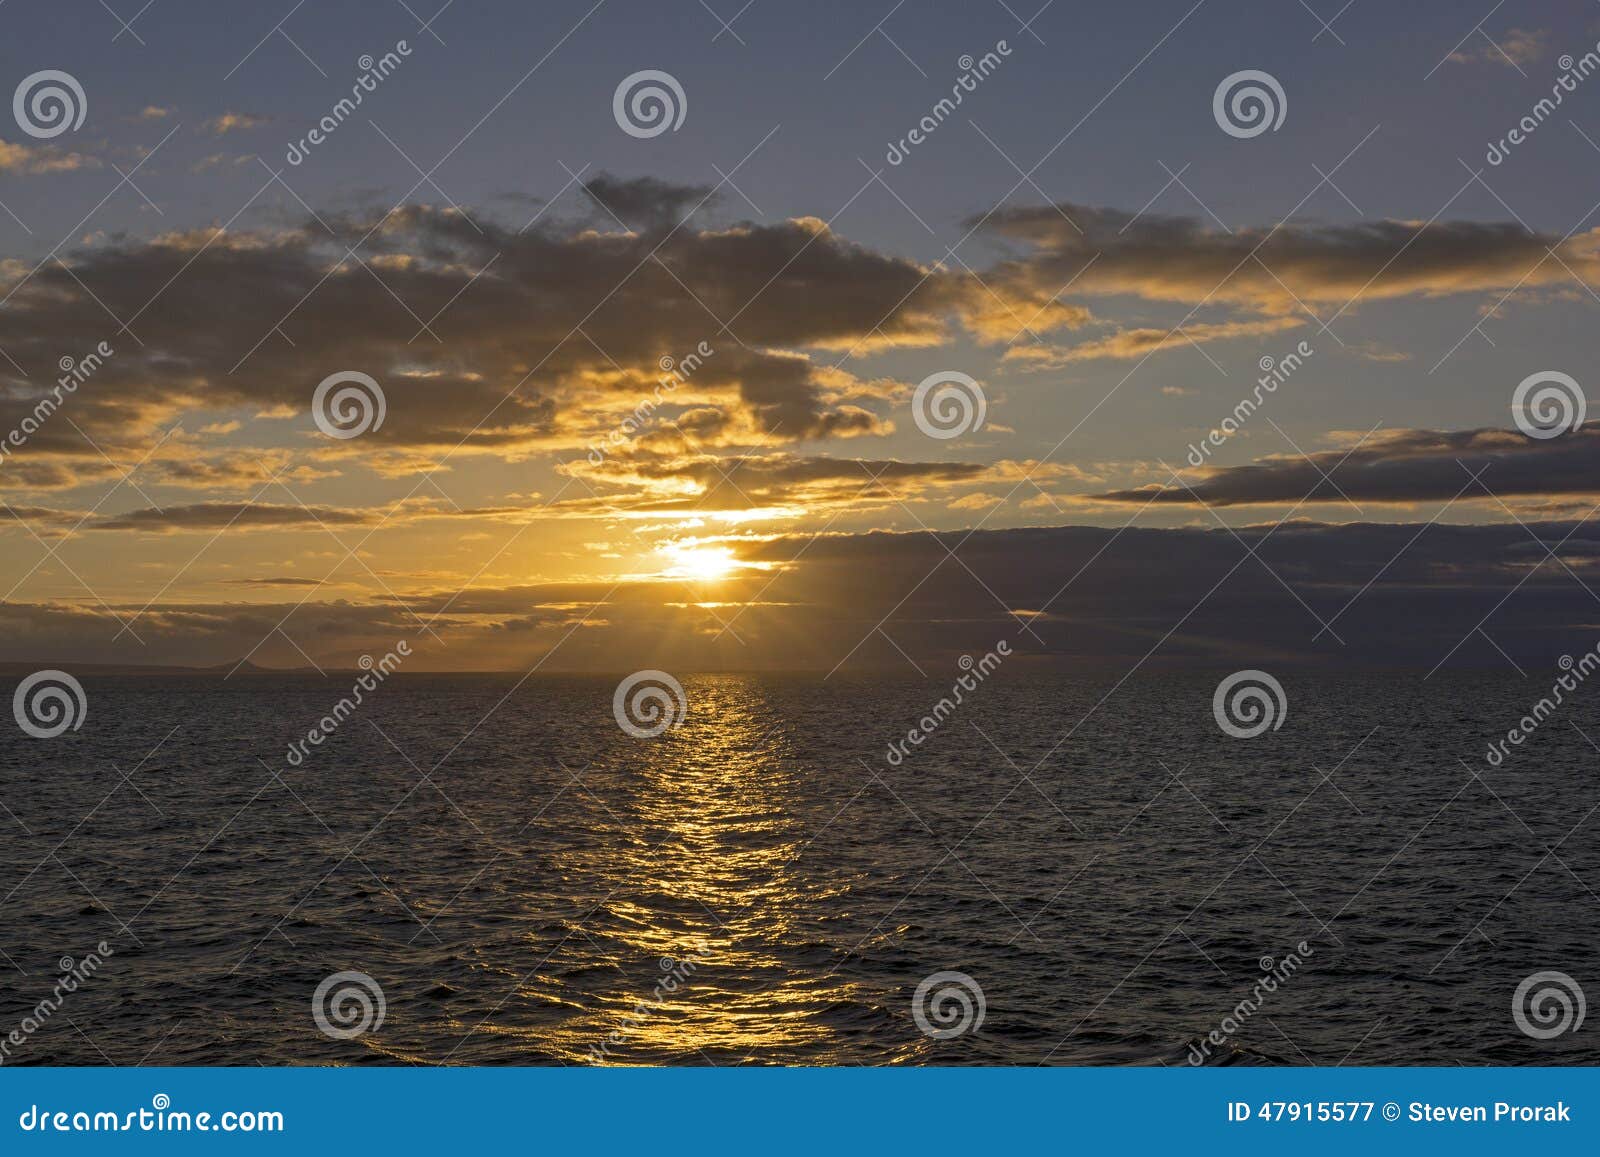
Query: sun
(701, 563)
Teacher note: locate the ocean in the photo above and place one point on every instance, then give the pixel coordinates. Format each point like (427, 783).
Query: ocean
(1062, 870)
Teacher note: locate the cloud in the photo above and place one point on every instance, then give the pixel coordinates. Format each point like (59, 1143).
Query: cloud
(1516, 47)
(240, 517)
(494, 341)
(34, 159)
(230, 122)
(539, 340)
(1402, 467)
(646, 203)
(275, 581)
(1134, 343)
(1268, 270)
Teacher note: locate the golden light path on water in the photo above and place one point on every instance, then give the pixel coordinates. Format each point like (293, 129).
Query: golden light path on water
(707, 940)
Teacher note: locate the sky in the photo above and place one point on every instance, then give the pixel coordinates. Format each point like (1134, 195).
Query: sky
(822, 369)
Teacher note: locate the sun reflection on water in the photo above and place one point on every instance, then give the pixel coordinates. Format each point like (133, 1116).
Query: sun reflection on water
(706, 911)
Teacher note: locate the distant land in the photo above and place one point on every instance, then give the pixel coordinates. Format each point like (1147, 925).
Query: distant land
(245, 668)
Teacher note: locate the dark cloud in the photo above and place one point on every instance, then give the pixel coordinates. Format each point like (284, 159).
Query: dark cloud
(1269, 269)
(493, 340)
(1402, 466)
(647, 203)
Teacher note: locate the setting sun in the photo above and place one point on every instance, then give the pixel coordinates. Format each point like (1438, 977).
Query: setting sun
(702, 563)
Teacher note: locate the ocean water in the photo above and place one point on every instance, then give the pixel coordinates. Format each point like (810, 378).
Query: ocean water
(525, 883)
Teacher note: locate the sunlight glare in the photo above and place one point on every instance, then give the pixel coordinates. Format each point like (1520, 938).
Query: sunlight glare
(701, 563)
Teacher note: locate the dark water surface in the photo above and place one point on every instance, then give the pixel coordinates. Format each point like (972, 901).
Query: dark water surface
(519, 878)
